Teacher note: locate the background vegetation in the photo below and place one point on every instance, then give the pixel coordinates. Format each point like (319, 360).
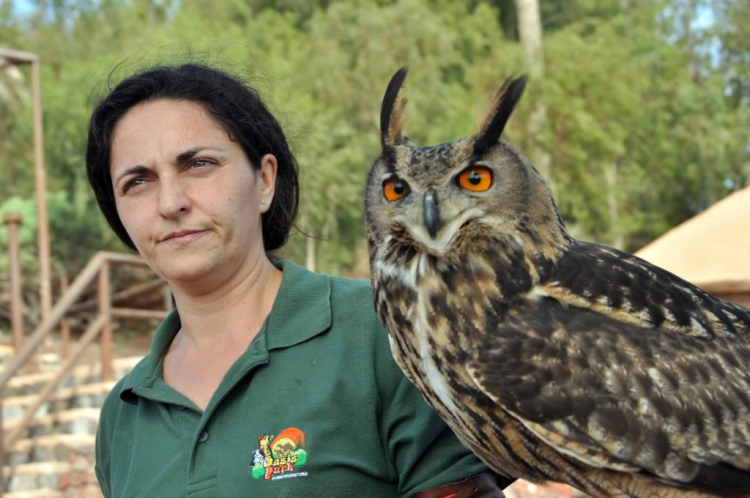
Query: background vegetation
(645, 103)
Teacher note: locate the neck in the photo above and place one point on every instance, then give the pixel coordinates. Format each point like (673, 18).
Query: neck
(235, 309)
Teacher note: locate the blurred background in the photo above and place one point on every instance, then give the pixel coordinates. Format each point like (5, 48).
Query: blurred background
(637, 113)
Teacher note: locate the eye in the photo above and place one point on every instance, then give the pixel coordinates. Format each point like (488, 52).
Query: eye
(476, 179)
(395, 189)
(135, 182)
(201, 162)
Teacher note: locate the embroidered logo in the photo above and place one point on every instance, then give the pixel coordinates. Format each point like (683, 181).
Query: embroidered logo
(281, 456)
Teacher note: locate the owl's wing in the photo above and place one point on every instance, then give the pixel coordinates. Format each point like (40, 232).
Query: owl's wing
(620, 396)
(628, 289)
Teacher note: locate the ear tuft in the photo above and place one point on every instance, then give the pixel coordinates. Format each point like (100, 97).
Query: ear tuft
(499, 109)
(392, 117)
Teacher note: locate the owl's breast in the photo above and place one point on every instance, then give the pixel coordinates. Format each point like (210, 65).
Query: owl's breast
(406, 298)
(396, 296)
(434, 320)
(436, 356)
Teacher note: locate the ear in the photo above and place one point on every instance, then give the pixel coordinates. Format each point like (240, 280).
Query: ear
(392, 111)
(269, 168)
(498, 111)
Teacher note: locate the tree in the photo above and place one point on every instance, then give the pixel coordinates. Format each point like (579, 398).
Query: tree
(639, 132)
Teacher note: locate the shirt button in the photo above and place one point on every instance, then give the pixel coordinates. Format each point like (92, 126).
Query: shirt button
(202, 438)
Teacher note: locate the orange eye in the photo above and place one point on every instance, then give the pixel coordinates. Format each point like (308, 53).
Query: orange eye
(395, 189)
(476, 179)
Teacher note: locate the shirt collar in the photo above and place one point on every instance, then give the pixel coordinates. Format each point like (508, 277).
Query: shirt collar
(301, 311)
(302, 308)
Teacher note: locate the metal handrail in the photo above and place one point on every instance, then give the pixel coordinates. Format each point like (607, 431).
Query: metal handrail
(97, 268)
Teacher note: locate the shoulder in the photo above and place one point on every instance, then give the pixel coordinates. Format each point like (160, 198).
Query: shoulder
(350, 291)
(353, 298)
(656, 297)
(353, 310)
(355, 331)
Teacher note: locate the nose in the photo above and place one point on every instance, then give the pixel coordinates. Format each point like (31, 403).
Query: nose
(173, 198)
(432, 213)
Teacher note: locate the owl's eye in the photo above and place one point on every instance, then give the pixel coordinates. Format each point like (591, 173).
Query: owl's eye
(395, 189)
(476, 179)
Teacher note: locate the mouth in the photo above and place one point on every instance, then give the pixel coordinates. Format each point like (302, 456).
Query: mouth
(182, 236)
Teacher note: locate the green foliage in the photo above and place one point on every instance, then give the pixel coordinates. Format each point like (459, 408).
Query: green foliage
(622, 96)
(644, 125)
(75, 236)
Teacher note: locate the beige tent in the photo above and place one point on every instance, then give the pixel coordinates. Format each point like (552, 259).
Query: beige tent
(711, 250)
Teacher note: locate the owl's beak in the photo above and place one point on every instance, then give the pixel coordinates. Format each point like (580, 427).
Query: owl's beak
(431, 213)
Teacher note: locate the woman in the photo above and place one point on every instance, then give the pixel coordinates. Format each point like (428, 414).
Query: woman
(267, 379)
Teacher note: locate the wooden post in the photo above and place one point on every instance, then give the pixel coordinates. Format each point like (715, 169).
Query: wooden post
(105, 310)
(18, 57)
(40, 176)
(64, 325)
(13, 220)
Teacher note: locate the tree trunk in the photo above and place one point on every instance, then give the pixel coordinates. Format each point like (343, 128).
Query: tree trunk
(530, 32)
(617, 233)
(310, 254)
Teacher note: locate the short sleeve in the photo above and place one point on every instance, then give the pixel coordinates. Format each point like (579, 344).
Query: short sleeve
(104, 434)
(423, 450)
(102, 482)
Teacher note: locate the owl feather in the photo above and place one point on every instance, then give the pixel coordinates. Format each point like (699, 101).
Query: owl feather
(552, 359)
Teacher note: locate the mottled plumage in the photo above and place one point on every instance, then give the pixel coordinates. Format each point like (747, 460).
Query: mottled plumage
(551, 358)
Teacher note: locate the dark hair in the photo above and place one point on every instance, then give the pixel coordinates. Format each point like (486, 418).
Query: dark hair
(233, 104)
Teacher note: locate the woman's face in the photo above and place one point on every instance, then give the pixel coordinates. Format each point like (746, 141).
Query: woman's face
(187, 194)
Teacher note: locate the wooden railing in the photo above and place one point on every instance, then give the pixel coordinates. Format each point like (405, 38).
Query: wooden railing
(101, 327)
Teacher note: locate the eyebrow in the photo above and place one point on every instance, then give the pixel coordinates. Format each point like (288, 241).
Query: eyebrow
(182, 158)
(135, 170)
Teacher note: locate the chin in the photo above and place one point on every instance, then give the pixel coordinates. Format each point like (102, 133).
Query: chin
(188, 270)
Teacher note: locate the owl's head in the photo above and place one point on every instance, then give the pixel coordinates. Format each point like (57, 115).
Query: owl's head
(443, 199)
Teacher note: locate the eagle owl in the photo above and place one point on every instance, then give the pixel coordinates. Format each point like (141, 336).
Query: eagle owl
(551, 358)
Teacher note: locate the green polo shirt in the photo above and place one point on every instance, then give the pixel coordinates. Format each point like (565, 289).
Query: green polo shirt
(315, 406)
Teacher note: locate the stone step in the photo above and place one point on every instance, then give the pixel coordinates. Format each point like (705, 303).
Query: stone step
(38, 493)
(6, 351)
(41, 362)
(21, 385)
(81, 396)
(55, 447)
(73, 474)
(79, 421)
(66, 477)
(67, 473)
(35, 476)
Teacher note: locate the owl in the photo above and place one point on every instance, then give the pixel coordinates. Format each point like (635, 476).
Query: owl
(551, 358)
